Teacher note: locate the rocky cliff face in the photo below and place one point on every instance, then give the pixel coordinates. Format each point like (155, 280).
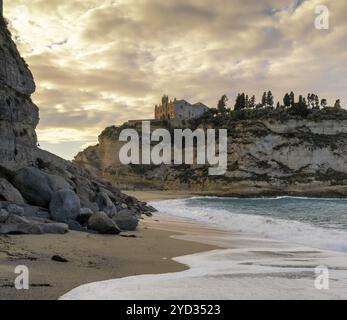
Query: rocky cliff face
(19, 116)
(40, 192)
(265, 157)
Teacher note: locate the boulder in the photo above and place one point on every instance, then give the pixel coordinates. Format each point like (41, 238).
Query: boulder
(85, 214)
(33, 211)
(54, 228)
(64, 206)
(3, 215)
(126, 220)
(10, 193)
(88, 204)
(101, 223)
(37, 186)
(75, 226)
(15, 224)
(19, 225)
(105, 204)
(14, 209)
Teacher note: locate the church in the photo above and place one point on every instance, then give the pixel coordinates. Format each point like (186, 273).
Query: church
(178, 110)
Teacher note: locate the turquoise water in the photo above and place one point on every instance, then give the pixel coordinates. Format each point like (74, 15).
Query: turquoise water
(324, 213)
(320, 223)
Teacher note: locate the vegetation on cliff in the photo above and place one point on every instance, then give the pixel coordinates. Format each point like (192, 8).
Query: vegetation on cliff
(246, 108)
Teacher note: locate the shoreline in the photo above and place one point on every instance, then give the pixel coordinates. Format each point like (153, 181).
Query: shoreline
(242, 266)
(93, 257)
(168, 248)
(157, 195)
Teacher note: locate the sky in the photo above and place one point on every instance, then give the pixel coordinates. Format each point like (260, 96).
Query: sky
(98, 63)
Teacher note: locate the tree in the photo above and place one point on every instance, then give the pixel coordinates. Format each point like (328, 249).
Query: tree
(278, 105)
(316, 102)
(324, 103)
(292, 99)
(222, 103)
(237, 102)
(252, 102)
(270, 99)
(310, 98)
(243, 101)
(264, 100)
(301, 108)
(287, 100)
(240, 102)
(337, 104)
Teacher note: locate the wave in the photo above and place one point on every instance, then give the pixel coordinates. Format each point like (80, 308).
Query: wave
(267, 227)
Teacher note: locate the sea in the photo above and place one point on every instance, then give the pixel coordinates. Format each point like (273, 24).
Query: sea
(319, 223)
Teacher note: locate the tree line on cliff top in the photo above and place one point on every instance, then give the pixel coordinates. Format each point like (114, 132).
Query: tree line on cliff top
(247, 106)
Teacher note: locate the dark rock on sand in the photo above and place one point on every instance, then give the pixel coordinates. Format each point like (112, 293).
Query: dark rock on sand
(126, 220)
(19, 225)
(54, 228)
(101, 223)
(59, 259)
(105, 204)
(83, 217)
(75, 226)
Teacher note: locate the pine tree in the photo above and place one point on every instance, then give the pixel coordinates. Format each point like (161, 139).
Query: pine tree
(270, 99)
(222, 104)
(242, 101)
(316, 101)
(237, 102)
(292, 99)
(252, 102)
(264, 100)
(287, 100)
(337, 104)
(324, 103)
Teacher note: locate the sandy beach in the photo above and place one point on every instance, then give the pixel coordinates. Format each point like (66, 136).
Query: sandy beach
(169, 258)
(93, 257)
(241, 266)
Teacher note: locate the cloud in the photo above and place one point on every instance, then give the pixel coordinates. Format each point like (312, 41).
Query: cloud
(99, 63)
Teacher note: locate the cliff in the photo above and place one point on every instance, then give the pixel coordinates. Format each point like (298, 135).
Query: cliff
(40, 192)
(267, 155)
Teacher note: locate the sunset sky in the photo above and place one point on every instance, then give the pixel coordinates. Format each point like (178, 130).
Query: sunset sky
(101, 62)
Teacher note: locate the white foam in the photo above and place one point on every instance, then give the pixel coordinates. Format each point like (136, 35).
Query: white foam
(267, 227)
(254, 273)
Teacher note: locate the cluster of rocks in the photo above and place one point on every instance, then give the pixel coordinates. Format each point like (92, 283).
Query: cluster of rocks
(35, 201)
(40, 192)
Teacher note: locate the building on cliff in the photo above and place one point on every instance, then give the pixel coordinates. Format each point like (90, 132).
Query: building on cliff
(179, 110)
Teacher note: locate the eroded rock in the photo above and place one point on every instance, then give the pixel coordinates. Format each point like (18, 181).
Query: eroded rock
(126, 220)
(64, 206)
(10, 193)
(37, 187)
(101, 223)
